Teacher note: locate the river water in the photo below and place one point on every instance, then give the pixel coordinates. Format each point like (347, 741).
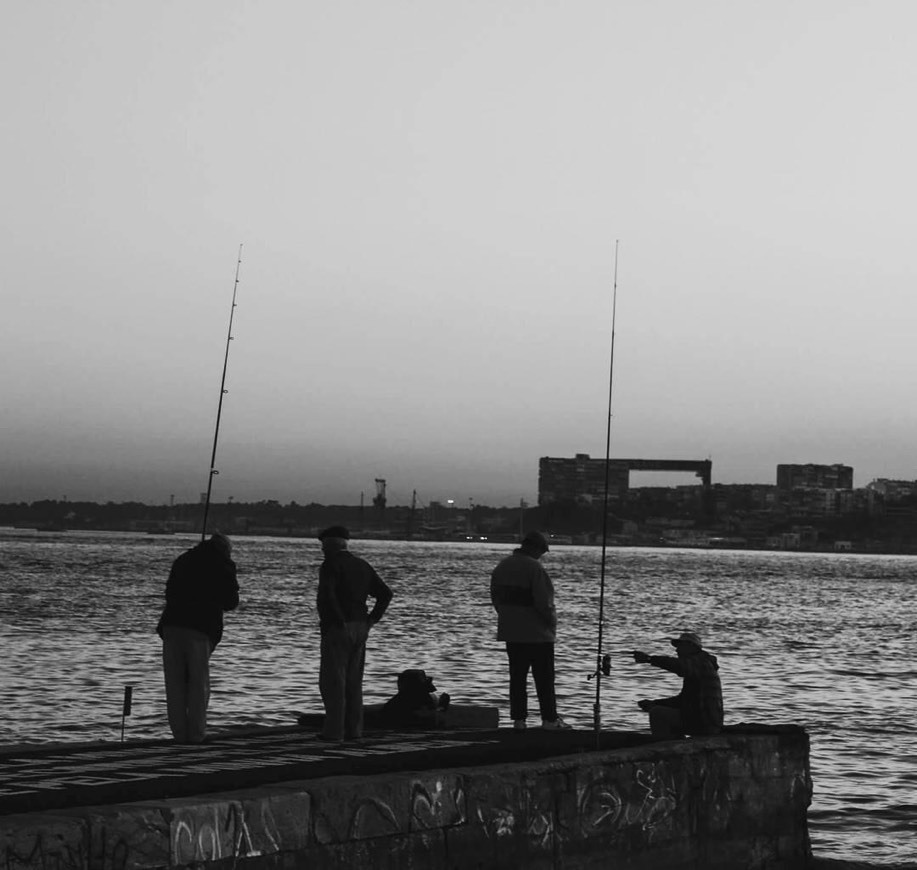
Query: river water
(819, 640)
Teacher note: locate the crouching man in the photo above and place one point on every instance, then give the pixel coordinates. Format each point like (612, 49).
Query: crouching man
(698, 708)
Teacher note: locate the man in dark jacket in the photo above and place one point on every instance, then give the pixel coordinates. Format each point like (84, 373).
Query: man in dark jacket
(523, 596)
(202, 585)
(344, 583)
(698, 708)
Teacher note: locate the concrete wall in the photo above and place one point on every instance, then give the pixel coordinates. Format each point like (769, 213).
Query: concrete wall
(733, 801)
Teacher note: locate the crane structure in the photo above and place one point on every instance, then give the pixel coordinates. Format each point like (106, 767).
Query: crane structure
(379, 500)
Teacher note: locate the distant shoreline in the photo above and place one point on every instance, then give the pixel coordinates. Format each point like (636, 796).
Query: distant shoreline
(614, 541)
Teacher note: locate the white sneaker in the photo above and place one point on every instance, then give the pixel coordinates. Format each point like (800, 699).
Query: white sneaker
(557, 725)
(519, 725)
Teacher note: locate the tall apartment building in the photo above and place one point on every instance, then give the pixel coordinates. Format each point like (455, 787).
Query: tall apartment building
(811, 476)
(580, 479)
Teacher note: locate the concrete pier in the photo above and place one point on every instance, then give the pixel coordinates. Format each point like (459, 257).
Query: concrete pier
(279, 798)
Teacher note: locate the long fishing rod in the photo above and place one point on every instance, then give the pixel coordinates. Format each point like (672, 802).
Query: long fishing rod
(603, 663)
(216, 432)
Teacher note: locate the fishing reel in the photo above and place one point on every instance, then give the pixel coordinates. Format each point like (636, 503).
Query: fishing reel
(604, 668)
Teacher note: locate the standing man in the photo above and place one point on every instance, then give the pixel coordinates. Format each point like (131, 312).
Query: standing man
(202, 585)
(698, 707)
(523, 596)
(344, 583)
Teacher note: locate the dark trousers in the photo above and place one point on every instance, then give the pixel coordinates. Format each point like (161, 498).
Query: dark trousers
(540, 658)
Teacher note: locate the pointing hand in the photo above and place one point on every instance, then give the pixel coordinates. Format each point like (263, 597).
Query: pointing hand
(641, 658)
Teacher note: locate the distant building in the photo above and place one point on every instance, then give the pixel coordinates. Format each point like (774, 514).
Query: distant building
(811, 476)
(893, 490)
(582, 480)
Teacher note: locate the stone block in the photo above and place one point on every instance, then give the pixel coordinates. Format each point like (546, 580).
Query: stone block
(748, 852)
(717, 801)
(507, 805)
(420, 851)
(469, 846)
(642, 796)
(44, 842)
(424, 850)
(494, 802)
(238, 825)
(127, 836)
(437, 800)
(737, 765)
(512, 818)
(470, 716)
(350, 808)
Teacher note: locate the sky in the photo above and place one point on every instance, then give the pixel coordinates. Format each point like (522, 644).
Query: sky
(433, 201)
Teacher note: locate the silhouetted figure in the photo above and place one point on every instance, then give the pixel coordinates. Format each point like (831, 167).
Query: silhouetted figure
(698, 708)
(201, 586)
(416, 702)
(523, 596)
(344, 584)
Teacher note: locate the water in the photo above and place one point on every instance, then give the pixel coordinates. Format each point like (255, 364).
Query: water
(819, 640)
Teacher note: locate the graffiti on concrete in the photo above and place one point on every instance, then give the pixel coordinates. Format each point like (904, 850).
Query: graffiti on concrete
(373, 817)
(659, 798)
(439, 804)
(39, 854)
(72, 850)
(498, 821)
(540, 817)
(527, 807)
(608, 802)
(224, 830)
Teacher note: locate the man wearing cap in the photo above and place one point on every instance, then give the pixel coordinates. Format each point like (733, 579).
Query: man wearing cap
(201, 586)
(698, 708)
(523, 596)
(344, 583)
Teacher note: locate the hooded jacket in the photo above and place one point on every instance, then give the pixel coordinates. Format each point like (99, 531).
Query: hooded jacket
(523, 596)
(701, 696)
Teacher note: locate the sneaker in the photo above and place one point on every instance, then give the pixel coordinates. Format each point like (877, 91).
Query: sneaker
(519, 725)
(557, 725)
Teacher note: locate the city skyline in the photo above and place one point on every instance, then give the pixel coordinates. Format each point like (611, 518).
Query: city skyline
(428, 199)
(402, 498)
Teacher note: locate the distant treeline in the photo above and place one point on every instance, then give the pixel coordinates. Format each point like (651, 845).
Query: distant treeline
(646, 517)
(257, 516)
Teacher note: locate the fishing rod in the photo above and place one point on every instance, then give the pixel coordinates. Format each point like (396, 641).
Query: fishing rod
(603, 662)
(216, 432)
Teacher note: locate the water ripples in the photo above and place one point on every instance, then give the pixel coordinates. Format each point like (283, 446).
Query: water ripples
(822, 640)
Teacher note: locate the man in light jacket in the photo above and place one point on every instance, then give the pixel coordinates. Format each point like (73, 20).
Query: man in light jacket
(523, 596)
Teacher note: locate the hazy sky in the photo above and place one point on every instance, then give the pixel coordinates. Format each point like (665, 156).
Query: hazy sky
(428, 195)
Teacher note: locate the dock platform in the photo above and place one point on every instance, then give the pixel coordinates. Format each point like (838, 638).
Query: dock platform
(438, 799)
(39, 778)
